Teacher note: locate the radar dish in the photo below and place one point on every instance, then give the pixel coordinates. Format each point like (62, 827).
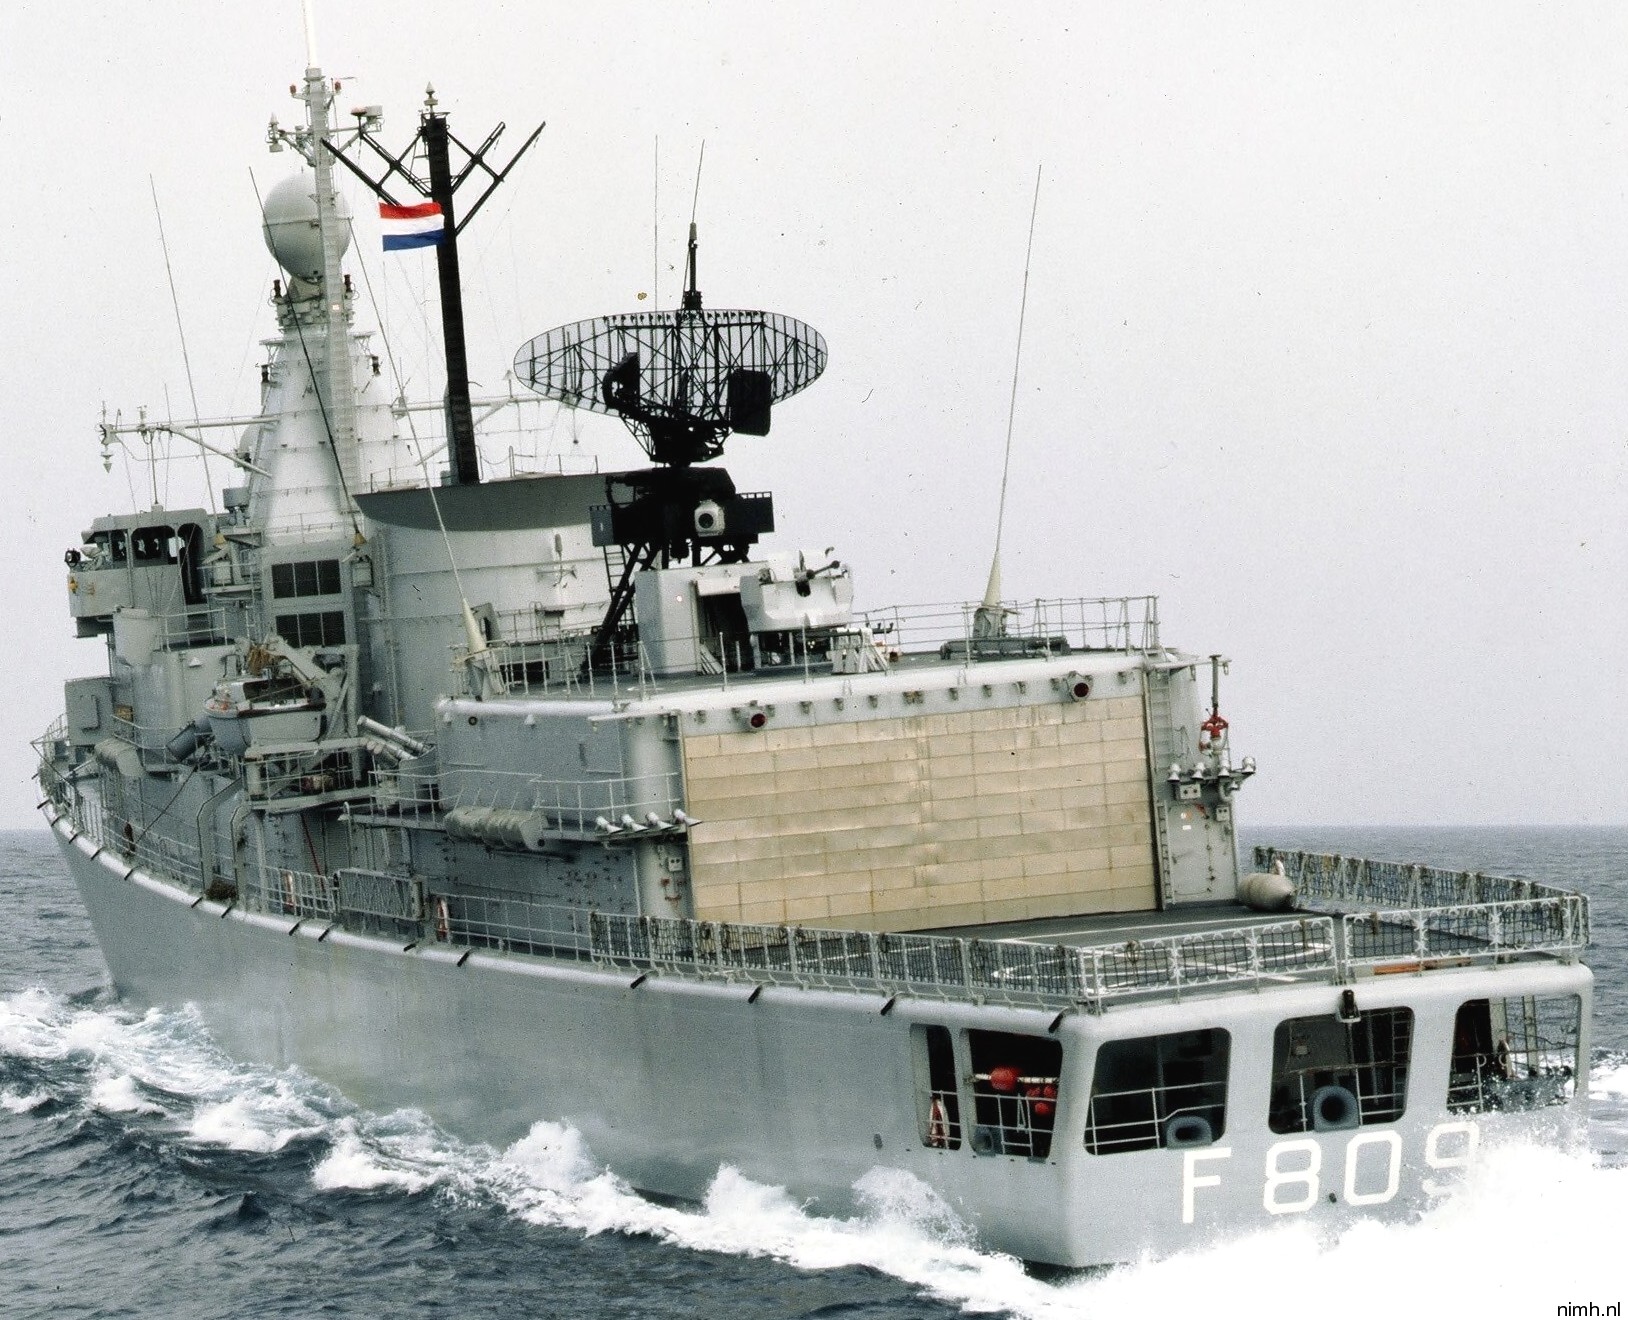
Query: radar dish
(682, 380)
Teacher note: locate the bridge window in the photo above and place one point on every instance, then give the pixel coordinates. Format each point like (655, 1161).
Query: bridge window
(323, 629)
(310, 577)
(938, 1097)
(112, 544)
(1517, 1053)
(153, 545)
(1329, 1074)
(1157, 1091)
(1014, 1092)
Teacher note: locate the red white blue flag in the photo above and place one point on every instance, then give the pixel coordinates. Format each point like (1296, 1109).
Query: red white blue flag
(411, 226)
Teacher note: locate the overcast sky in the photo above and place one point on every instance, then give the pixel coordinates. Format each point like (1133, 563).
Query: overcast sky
(1325, 339)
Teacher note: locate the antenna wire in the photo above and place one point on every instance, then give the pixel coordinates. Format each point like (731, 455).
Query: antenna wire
(1017, 361)
(180, 330)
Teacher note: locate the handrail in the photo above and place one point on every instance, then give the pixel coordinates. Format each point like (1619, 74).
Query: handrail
(561, 804)
(1332, 877)
(1004, 971)
(1443, 911)
(539, 657)
(1368, 914)
(1127, 624)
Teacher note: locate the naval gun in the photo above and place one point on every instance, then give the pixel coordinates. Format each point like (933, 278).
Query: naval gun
(682, 381)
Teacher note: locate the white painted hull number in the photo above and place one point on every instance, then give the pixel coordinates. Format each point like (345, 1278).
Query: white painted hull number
(1371, 1173)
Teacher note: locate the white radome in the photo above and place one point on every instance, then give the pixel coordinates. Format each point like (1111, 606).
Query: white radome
(290, 226)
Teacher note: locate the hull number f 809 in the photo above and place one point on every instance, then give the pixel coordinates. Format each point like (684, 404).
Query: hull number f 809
(1294, 1178)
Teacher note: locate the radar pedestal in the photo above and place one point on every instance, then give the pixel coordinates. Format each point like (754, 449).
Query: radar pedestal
(682, 381)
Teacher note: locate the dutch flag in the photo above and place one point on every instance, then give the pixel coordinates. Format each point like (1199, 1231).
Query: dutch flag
(411, 226)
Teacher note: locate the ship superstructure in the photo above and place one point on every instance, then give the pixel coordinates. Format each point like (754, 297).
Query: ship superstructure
(563, 796)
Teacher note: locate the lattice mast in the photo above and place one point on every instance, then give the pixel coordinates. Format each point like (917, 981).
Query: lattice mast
(434, 141)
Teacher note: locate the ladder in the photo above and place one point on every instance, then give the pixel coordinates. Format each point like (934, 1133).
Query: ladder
(1156, 710)
(615, 565)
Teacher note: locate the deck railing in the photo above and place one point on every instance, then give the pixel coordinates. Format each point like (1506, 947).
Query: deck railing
(536, 657)
(571, 806)
(1331, 878)
(380, 901)
(1372, 914)
(1128, 624)
(517, 435)
(1397, 911)
(1002, 971)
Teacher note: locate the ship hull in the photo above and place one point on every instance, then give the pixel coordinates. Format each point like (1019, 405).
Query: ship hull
(671, 1078)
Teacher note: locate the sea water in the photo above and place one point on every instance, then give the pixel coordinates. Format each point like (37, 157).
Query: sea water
(145, 1172)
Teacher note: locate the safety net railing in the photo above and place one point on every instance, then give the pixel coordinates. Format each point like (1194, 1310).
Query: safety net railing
(535, 654)
(601, 807)
(1398, 911)
(1128, 624)
(1349, 937)
(1011, 971)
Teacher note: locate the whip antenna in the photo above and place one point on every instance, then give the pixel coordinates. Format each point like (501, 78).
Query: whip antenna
(655, 229)
(989, 619)
(310, 17)
(180, 330)
(692, 295)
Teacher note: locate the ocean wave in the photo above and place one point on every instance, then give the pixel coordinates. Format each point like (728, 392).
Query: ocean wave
(166, 1050)
(402, 1151)
(1553, 1200)
(1455, 1258)
(120, 1095)
(23, 1102)
(1608, 1078)
(262, 1119)
(162, 1063)
(162, 1069)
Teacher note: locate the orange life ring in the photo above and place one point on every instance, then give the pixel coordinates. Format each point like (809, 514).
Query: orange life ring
(938, 1127)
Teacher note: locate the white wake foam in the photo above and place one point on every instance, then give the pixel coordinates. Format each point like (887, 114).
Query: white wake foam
(163, 1063)
(1609, 1080)
(264, 1118)
(163, 1049)
(1457, 1257)
(404, 1151)
(119, 1095)
(1530, 1229)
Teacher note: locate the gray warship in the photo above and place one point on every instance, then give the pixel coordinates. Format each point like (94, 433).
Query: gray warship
(551, 795)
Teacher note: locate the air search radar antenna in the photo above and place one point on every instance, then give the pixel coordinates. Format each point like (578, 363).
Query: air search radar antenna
(682, 381)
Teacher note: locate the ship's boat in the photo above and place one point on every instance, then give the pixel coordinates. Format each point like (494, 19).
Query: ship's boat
(550, 795)
(266, 711)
